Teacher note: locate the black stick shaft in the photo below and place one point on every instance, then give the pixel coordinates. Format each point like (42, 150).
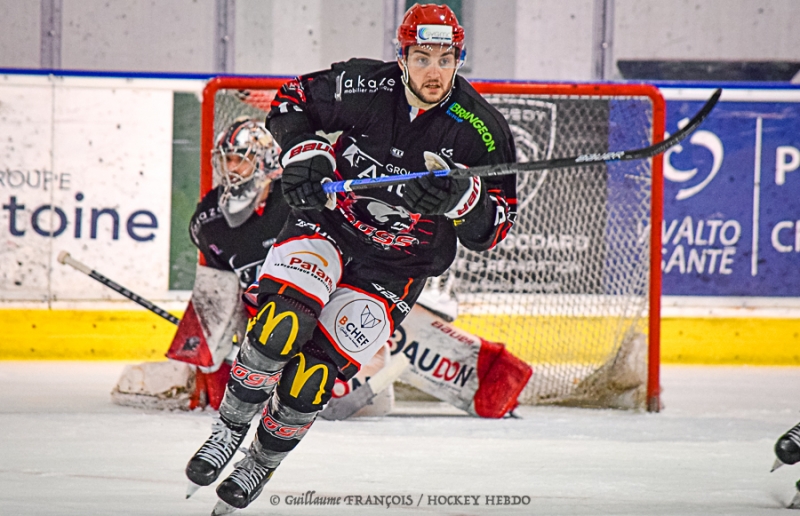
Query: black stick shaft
(134, 297)
(515, 168)
(65, 258)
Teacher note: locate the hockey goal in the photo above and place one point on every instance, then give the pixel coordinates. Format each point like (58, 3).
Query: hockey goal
(570, 290)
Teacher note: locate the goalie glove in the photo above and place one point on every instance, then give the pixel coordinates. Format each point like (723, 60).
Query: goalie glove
(452, 197)
(308, 163)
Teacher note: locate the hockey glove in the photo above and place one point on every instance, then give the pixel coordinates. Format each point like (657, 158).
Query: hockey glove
(452, 197)
(307, 163)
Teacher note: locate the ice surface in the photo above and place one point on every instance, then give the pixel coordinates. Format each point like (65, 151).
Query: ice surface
(66, 450)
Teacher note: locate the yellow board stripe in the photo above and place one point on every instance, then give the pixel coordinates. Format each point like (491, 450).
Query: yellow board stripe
(140, 335)
(83, 335)
(730, 341)
(684, 340)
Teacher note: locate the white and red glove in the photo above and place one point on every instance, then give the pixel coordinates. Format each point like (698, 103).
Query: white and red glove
(452, 197)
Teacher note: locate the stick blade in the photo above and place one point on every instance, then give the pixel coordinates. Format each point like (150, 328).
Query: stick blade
(338, 409)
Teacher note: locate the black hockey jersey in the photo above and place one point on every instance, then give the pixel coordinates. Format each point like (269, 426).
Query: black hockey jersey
(365, 99)
(241, 249)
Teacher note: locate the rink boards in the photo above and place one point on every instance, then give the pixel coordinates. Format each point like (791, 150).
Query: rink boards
(86, 165)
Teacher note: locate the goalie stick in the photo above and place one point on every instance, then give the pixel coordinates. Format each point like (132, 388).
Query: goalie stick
(336, 409)
(514, 168)
(65, 258)
(344, 407)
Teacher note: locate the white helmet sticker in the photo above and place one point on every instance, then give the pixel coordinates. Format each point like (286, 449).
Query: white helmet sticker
(434, 35)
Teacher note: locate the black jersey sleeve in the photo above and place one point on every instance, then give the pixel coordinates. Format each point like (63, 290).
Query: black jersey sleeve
(199, 230)
(320, 101)
(489, 222)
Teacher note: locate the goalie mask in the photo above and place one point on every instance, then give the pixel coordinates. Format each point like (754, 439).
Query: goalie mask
(245, 161)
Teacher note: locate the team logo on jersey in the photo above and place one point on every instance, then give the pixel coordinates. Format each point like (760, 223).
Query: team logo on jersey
(383, 224)
(359, 324)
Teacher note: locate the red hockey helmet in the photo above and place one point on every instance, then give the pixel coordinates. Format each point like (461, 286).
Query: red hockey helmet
(430, 24)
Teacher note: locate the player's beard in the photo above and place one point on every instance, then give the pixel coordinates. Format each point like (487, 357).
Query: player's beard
(441, 91)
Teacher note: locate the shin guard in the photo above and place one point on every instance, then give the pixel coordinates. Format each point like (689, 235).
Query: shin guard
(303, 390)
(274, 335)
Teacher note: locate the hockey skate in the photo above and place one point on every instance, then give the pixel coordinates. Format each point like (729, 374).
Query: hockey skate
(205, 466)
(243, 485)
(787, 449)
(795, 503)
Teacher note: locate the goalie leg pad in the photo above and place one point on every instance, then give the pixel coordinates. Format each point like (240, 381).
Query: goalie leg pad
(502, 378)
(305, 386)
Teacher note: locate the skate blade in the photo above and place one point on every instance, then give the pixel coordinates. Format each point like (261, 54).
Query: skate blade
(222, 508)
(191, 489)
(778, 464)
(795, 502)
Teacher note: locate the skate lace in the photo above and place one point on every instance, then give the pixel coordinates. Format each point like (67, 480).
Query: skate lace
(248, 473)
(794, 434)
(222, 444)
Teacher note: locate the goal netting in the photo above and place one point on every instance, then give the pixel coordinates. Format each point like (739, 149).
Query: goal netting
(570, 289)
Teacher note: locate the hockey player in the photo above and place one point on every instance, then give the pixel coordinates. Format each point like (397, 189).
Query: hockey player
(345, 270)
(234, 224)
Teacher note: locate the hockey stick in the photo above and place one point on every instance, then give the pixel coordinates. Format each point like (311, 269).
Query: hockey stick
(514, 168)
(65, 258)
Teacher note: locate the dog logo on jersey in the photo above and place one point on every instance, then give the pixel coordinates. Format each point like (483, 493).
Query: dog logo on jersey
(367, 319)
(359, 324)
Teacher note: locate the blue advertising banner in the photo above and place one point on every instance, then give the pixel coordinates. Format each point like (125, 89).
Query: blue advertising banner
(732, 197)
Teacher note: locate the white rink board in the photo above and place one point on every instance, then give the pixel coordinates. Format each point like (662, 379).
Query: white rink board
(95, 149)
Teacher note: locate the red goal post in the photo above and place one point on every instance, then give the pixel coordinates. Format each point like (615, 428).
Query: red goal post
(543, 279)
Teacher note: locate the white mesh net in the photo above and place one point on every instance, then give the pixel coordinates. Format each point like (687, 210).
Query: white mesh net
(567, 290)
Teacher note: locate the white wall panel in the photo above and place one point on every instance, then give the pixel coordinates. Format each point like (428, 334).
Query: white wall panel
(351, 28)
(138, 35)
(19, 33)
(297, 36)
(554, 39)
(707, 29)
(26, 182)
(491, 38)
(255, 39)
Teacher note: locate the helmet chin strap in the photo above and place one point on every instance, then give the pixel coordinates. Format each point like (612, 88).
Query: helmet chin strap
(413, 99)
